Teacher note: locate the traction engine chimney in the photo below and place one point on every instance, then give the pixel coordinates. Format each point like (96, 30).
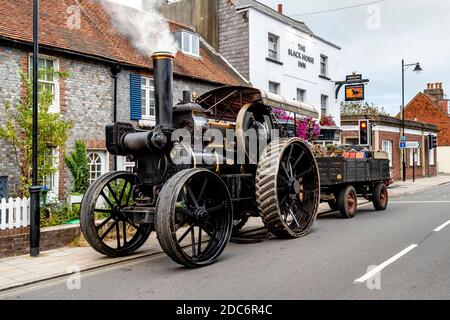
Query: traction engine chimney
(163, 79)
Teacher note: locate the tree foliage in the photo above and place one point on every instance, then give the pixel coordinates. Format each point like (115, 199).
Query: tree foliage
(355, 108)
(17, 131)
(78, 166)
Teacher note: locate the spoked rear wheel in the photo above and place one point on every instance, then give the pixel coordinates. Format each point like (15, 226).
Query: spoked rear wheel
(194, 217)
(288, 188)
(103, 223)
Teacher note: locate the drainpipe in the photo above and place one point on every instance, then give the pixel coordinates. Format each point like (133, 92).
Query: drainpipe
(115, 70)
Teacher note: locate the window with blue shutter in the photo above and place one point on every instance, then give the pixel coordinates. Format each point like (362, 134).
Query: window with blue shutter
(135, 97)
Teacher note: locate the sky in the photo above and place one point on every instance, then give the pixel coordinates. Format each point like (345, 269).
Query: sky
(375, 38)
(414, 30)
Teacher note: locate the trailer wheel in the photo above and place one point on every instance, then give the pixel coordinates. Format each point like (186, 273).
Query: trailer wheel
(288, 188)
(333, 205)
(380, 197)
(194, 217)
(347, 202)
(105, 227)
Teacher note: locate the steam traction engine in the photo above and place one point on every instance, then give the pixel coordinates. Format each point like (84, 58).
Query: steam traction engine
(195, 205)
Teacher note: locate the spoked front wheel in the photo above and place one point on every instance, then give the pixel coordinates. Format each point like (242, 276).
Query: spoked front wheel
(194, 217)
(103, 222)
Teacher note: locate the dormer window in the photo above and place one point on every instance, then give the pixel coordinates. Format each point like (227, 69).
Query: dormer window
(190, 43)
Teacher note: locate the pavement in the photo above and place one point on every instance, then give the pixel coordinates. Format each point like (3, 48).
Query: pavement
(326, 247)
(401, 188)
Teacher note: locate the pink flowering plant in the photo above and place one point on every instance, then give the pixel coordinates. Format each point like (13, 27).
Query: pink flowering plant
(282, 115)
(327, 121)
(308, 129)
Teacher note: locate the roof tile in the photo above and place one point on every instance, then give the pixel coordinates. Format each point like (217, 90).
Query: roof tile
(97, 37)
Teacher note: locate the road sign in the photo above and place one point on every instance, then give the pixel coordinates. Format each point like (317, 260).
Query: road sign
(410, 145)
(403, 138)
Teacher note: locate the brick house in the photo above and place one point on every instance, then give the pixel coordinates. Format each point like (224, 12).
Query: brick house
(386, 137)
(431, 106)
(91, 55)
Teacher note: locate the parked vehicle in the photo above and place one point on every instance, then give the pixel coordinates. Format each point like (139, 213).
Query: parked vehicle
(193, 206)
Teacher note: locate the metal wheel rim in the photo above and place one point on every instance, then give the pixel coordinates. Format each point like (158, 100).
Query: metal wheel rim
(351, 202)
(216, 228)
(296, 187)
(383, 197)
(115, 223)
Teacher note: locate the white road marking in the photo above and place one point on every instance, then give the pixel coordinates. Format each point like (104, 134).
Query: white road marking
(412, 202)
(380, 267)
(442, 226)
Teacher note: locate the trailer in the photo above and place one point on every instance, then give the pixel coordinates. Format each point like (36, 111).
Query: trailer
(343, 180)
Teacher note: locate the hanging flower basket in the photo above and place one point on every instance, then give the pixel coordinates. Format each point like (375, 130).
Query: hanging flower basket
(308, 129)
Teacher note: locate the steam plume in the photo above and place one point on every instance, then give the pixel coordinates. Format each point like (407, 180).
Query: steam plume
(147, 30)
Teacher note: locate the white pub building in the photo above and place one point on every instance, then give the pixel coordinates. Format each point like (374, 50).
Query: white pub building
(275, 52)
(284, 55)
(296, 64)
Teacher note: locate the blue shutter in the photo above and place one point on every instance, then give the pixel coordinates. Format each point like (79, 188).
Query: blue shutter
(135, 97)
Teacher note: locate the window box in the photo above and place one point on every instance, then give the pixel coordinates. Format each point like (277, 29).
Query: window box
(329, 134)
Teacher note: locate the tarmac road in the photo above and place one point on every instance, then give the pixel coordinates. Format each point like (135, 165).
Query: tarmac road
(409, 242)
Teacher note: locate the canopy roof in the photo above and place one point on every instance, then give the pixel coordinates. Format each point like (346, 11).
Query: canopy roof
(230, 99)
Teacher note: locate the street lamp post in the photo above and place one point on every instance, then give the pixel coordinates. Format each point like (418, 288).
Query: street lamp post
(417, 69)
(35, 190)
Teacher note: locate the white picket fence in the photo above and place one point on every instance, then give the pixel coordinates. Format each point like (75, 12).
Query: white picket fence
(14, 213)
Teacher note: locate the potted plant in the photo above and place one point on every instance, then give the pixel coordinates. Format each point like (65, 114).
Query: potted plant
(328, 128)
(78, 166)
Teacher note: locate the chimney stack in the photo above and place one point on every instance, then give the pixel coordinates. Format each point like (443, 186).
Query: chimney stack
(435, 91)
(280, 8)
(163, 80)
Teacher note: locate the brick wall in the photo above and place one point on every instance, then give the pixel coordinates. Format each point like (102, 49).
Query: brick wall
(16, 241)
(234, 37)
(426, 110)
(10, 92)
(86, 99)
(397, 160)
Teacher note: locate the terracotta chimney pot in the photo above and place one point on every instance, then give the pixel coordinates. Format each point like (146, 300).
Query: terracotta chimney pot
(280, 8)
